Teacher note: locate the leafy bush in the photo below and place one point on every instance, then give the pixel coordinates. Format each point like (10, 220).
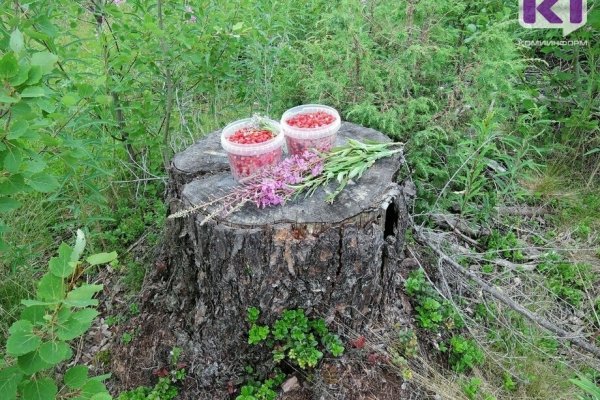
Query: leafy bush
(433, 312)
(294, 336)
(62, 311)
(464, 354)
(261, 390)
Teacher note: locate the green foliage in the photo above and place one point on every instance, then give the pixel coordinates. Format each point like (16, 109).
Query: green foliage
(25, 101)
(294, 336)
(408, 343)
(566, 280)
(163, 390)
(464, 354)
(590, 388)
(471, 388)
(433, 312)
(507, 246)
(39, 340)
(261, 390)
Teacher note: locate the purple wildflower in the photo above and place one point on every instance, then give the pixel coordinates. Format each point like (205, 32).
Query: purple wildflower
(190, 10)
(272, 186)
(118, 2)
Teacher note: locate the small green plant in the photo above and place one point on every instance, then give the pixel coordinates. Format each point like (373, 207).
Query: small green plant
(126, 337)
(471, 388)
(62, 311)
(464, 354)
(508, 382)
(294, 336)
(433, 312)
(113, 320)
(134, 309)
(261, 390)
(506, 246)
(590, 388)
(408, 343)
(166, 387)
(567, 280)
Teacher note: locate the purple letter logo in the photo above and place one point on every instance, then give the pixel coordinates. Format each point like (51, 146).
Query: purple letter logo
(566, 14)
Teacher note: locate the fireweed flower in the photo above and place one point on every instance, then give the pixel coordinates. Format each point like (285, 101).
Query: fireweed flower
(190, 10)
(298, 174)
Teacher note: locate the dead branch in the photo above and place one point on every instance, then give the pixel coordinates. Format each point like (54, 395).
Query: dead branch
(522, 211)
(561, 333)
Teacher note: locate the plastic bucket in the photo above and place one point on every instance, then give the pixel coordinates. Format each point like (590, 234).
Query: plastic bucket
(300, 139)
(246, 160)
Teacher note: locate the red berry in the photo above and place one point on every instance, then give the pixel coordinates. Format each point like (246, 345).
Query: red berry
(251, 136)
(244, 166)
(314, 119)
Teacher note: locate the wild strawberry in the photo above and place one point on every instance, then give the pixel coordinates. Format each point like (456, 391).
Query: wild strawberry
(315, 119)
(251, 136)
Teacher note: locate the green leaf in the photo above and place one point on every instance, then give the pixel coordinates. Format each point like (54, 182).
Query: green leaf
(16, 41)
(101, 378)
(5, 98)
(82, 296)
(77, 324)
(12, 161)
(42, 182)
(51, 288)
(40, 389)
(76, 376)
(62, 266)
(54, 352)
(22, 76)
(17, 129)
(34, 314)
(32, 303)
(13, 185)
(92, 388)
(70, 99)
(9, 380)
(22, 340)
(101, 396)
(33, 91)
(35, 75)
(79, 246)
(31, 363)
(8, 65)
(45, 60)
(101, 258)
(104, 99)
(8, 204)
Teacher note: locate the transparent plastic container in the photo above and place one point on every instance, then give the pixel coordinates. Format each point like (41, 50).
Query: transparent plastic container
(246, 160)
(321, 138)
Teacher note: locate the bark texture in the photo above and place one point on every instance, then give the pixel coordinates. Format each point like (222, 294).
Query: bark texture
(335, 261)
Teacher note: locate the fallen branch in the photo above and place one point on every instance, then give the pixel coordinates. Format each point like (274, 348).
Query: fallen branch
(561, 333)
(455, 223)
(522, 211)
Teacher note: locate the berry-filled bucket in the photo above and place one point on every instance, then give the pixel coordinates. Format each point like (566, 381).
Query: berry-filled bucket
(251, 145)
(310, 126)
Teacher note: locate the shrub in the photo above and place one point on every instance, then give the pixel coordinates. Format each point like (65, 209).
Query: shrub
(63, 310)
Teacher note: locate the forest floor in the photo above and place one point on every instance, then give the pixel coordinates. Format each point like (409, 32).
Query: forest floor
(534, 254)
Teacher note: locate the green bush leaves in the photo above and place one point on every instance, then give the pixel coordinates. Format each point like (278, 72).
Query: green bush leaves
(39, 340)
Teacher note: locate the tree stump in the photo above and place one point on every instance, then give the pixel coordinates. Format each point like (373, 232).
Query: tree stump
(337, 261)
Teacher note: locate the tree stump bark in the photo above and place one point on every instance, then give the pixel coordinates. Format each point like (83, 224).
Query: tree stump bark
(337, 261)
